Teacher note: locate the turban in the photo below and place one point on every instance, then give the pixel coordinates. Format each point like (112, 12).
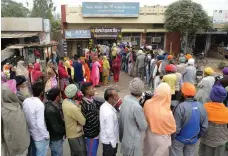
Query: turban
(218, 93)
(140, 52)
(160, 57)
(191, 61)
(136, 86)
(182, 59)
(225, 71)
(209, 71)
(169, 57)
(20, 79)
(171, 68)
(71, 90)
(188, 89)
(188, 56)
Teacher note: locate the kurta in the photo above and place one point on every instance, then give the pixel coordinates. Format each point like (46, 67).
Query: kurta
(95, 76)
(132, 122)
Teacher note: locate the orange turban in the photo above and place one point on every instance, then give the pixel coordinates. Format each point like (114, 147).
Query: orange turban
(188, 89)
(169, 57)
(188, 56)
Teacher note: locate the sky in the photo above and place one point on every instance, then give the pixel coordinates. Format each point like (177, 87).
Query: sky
(208, 5)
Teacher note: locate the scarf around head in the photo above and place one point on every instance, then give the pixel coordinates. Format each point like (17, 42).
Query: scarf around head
(157, 111)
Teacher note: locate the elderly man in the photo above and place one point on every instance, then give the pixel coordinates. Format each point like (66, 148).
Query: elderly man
(132, 120)
(189, 74)
(140, 64)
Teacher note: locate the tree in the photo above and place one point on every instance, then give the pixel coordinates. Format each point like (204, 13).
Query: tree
(10, 8)
(45, 9)
(225, 28)
(186, 17)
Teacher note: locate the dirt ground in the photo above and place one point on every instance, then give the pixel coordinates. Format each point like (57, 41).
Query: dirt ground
(122, 87)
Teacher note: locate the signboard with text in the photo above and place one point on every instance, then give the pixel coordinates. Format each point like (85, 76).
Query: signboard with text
(110, 9)
(220, 16)
(77, 34)
(105, 32)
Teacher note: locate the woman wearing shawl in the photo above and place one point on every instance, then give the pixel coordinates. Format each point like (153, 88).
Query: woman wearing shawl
(116, 64)
(213, 143)
(52, 81)
(63, 78)
(95, 77)
(106, 68)
(36, 73)
(21, 70)
(161, 123)
(11, 84)
(70, 70)
(87, 70)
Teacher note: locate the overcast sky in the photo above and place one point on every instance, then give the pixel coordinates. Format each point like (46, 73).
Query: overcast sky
(208, 5)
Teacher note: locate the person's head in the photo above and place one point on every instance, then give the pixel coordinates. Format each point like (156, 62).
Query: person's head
(100, 56)
(112, 97)
(171, 68)
(20, 81)
(136, 87)
(37, 66)
(70, 91)
(218, 93)
(182, 59)
(88, 89)
(191, 62)
(188, 90)
(95, 58)
(50, 64)
(208, 71)
(188, 56)
(50, 73)
(54, 95)
(30, 65)
(38, 89)
(170, 57)
(225, 71)
(76, 57)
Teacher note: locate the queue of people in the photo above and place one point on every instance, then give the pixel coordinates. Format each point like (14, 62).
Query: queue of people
(43, 109)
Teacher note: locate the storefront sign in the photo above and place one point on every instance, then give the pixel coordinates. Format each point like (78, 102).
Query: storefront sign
(77, 34)
(110, 9)
(105, 32)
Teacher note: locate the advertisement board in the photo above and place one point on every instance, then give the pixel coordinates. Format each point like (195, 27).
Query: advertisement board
(85, 33)
(105, 32)
(110, 9)
(220, 16)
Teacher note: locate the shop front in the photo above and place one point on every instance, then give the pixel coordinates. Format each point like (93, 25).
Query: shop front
(105, 36)
(77, 40)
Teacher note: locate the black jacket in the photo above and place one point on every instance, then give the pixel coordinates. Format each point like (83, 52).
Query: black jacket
(54, 121)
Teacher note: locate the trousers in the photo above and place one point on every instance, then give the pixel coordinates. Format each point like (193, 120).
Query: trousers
(77, 146)
(108, 150)
(179, 148)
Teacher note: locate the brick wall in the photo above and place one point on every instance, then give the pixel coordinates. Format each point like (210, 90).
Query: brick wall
(173, 37)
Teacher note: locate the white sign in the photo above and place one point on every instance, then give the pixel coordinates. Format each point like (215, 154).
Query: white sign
(47, 25)
(220, 16)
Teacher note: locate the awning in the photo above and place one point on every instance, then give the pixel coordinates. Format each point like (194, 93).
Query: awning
(15, 47)
(133, 30)
(18, 34)
(156, 30)
(6, 53)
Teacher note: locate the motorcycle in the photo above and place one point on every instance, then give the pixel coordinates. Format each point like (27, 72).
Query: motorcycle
(199, 75)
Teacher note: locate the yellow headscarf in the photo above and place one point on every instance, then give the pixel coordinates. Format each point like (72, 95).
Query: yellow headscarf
(105, 63)
(209, 71)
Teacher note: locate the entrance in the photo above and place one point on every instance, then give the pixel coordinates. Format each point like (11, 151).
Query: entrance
(108, 42)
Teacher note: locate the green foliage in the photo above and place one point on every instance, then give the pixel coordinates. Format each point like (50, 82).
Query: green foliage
(55, 25)
(10, 8)
(186, 17)
(225, 28)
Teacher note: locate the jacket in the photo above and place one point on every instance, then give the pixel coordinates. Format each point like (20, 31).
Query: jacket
(140, 61)
(90, 110)
(183, 117)
(78, 76)
(132, 122)
(15, 133)
(54, 121)
(189, 74)
(74, 119)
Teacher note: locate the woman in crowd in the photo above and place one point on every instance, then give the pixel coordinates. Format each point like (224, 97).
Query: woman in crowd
(63, 78)
(106, 68)
(52, 80)
(213, 143)
(116, 64)
(36, 73)
(70, 70)
(86, 69)
(95, 77)
(21, 70)
(161, 123)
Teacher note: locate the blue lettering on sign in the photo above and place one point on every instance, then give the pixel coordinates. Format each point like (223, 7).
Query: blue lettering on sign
(110, 9)
(77, 34)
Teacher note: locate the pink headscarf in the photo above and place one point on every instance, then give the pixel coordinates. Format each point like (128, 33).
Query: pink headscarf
(36, 73)
(11, 84)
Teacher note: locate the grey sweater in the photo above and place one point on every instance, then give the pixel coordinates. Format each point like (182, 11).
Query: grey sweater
(189, 74)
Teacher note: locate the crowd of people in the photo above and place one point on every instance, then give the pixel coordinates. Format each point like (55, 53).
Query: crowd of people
(42, 108)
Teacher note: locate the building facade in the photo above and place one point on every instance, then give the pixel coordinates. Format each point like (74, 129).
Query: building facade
(119, 22)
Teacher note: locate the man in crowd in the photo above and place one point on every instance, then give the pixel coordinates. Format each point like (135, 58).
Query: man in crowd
(191, 123)
(132, 120)
(189, 74)
(33, 108)
(78, 76)
(74, 122)
(54, 122)
(109, 122)
(22, 88)
(140, 64)
(90, 110)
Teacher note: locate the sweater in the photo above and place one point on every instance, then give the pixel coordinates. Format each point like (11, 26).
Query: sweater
(74, 119)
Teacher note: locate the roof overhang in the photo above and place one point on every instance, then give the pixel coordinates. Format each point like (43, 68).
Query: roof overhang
(18, 34)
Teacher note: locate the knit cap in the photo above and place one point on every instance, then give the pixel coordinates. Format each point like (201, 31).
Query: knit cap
(218, 93)
(136, 86)
(71, 90)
